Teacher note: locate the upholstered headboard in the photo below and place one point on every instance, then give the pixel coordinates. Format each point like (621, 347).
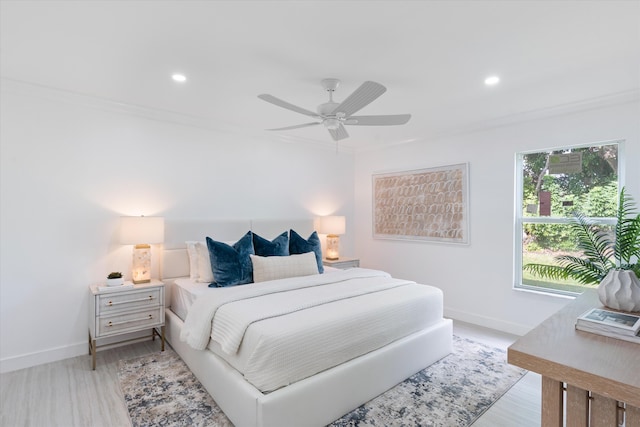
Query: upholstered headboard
(174, 261)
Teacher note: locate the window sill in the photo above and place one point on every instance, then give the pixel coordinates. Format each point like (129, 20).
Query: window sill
(550, 293)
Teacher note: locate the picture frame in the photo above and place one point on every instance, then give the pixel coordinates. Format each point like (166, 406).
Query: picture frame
(429, 204)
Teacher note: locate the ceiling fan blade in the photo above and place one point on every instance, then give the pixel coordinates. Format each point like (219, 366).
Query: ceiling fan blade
(361, 97)
(338, 134)
(388, 120)
(298, 126)
(284, 104)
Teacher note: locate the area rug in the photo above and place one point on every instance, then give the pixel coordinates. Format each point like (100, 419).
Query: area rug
(159, 390)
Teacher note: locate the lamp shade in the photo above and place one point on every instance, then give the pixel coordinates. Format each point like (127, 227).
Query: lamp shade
(334, 225)
(141, 229)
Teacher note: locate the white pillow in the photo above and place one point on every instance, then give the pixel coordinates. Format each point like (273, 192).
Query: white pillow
(193, 259)
(281, 267)
(205, 274)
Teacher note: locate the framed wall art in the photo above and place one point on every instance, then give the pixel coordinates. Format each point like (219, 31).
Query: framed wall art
(429, 204)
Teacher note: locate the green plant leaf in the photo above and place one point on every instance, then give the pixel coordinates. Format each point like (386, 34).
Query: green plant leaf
(583, 270)
(627, 244)
(546, 271)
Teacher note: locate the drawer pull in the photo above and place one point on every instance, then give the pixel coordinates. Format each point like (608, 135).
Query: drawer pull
(129, 321)
(111, 303)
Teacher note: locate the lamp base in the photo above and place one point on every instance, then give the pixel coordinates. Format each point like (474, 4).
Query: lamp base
(141, 272)
(333, 245)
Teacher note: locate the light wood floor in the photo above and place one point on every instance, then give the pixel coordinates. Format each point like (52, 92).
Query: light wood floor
(68, 393)
(520, 406)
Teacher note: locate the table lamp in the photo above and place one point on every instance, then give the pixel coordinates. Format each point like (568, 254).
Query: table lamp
(332, 226)
(141, 231)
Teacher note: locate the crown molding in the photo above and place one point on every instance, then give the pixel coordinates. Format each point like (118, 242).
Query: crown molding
(609, 100)
(554, 111)
(23, 88)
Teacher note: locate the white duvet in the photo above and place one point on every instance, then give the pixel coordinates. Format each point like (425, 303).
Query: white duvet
(300, 326)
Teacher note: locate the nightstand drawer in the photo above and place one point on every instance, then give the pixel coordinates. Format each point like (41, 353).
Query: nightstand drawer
(130, 321)
(113, 303)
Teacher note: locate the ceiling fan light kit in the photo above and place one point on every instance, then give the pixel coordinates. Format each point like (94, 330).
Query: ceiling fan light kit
(335, 115)
(332, 124)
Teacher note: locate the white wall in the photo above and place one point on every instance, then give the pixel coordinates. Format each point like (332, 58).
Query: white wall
(477, 279)
(69, 171)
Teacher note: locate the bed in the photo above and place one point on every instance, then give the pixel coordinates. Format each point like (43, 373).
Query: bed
(325, 372)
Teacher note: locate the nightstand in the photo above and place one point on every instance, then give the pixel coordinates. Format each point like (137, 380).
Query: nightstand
(342, 263)
(117, 312)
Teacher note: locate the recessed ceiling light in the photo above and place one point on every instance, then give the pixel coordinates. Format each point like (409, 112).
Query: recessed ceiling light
(492, 80)
(179, 78)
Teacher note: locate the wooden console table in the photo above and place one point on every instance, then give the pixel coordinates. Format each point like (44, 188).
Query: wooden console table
(598, 376)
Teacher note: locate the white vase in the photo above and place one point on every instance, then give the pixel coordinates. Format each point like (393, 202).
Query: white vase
(620, 290)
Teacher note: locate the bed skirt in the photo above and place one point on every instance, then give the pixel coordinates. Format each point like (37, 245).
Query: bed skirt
(322, 398)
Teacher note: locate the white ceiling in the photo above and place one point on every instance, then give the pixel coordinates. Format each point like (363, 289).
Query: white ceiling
(431, 55)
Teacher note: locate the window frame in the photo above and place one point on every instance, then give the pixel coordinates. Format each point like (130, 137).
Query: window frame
(520, 219)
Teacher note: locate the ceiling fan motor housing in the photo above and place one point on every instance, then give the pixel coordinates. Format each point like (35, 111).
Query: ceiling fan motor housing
(327, 108)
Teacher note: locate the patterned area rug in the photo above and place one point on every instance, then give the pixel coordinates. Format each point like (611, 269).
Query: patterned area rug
(160, 390)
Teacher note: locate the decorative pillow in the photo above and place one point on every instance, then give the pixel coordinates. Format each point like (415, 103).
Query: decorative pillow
(231, 265)
(193, 260)
(281, 267)
(276, 247)
(205, 274)
(298, 245)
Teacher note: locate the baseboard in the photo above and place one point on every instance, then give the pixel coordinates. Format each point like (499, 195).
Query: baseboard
(28, 360)
(55, 354)
(487, 322)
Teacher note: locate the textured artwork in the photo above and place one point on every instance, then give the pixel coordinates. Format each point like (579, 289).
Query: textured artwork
(427, 204)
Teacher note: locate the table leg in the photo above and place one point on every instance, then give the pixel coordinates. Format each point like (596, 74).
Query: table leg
(92, 351)
(160, 334)
(552, 397)
(632, 416)
(577, 406)
(604, 411)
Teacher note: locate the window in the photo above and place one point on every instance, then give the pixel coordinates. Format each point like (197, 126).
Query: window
(552, 185)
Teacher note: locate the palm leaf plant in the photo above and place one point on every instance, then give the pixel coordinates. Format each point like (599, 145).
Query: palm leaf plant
(601, 251)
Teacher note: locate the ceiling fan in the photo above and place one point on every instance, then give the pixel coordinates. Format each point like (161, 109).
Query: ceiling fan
(335, 115)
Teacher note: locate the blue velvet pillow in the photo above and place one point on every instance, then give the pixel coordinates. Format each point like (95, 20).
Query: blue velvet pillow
(300, 245)
(276, 247)
(231, 265)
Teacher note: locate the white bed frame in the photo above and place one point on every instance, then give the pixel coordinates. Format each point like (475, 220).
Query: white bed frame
(317, 400)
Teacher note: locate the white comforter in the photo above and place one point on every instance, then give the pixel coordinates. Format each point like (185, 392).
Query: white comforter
(311, 323)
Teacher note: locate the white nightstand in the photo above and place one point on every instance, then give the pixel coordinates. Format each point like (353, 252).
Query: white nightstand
(342, 263)
(118, 312)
